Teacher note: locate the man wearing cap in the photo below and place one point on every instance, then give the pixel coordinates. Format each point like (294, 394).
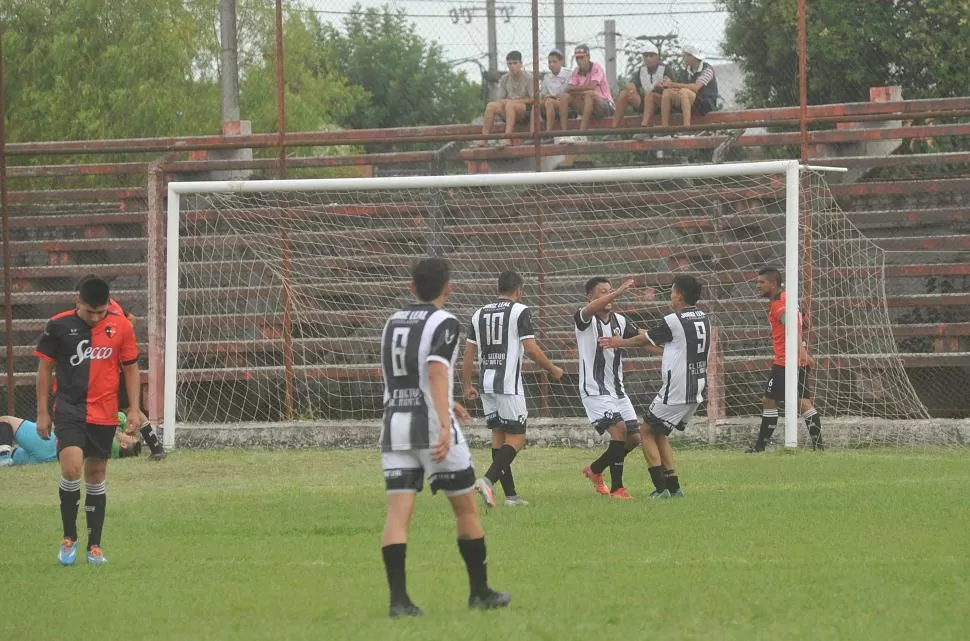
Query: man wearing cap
(645, 87)
(697, 96)
(514, 99)
(588, 91)
(552, 87)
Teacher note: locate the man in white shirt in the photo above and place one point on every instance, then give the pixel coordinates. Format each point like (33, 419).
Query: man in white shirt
(552, 88)
(645, 88)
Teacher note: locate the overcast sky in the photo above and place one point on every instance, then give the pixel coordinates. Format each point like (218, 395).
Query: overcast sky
(460, 27)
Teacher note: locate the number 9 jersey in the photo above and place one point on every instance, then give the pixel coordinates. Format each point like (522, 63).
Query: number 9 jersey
(686, 339)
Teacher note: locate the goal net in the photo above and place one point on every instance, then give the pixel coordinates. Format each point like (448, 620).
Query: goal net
(283, 287)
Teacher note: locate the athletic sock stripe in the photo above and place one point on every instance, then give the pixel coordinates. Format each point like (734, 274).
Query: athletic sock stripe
(809, 414)
(70, 486)
(770, 413)
(94, 488)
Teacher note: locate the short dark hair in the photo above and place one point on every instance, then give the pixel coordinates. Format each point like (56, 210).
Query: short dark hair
(555, 53)
(689, 288)
(514, 55)
(773, 274)
(430, 276)
(6, 433)
(509, 281)
(132, 450)
(93, 291)
(85, 279)
(593, 282)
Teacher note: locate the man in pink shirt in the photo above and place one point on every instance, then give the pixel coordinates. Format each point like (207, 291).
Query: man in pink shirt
(588, 91)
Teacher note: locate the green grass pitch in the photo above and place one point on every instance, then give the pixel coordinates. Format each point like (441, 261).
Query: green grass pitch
(242, 545)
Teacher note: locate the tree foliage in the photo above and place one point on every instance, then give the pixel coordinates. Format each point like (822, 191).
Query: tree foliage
(90, 69)
(85, 69)
(852, 45)
(408, 79)
(316, 97)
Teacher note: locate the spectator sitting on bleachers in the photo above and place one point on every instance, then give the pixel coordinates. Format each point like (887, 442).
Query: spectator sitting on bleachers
(645, 87)
(697, 96)
(552, 87)
(588, 92)
(514, 102)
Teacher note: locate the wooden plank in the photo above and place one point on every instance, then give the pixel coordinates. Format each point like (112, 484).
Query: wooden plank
(901, 187)
(70, 219)
(844, 112)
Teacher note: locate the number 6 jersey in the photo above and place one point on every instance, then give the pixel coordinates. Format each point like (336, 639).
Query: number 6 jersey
(412, 339)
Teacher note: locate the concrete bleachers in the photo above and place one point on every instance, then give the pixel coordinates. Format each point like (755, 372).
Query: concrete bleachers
(924, 225)
(926, 250)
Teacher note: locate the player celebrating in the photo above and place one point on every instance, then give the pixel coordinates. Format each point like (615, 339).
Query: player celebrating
(87, 346)
(500, 333)
(683, 338)
(601, 383)
(770, 287)
(420, 435)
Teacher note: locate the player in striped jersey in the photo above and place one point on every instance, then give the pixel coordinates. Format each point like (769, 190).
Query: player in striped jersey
(683, 338)
(420, 435)
(770, 287)
(601, 382)
(500, 333)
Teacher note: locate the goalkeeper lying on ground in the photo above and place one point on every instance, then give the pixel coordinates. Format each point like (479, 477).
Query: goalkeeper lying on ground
(20, 444)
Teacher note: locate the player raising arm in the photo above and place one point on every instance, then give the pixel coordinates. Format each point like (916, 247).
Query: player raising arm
(499, 334)
(683, 338)
(607, 405)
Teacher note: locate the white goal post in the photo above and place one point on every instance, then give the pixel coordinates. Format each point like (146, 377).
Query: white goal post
(788, 172)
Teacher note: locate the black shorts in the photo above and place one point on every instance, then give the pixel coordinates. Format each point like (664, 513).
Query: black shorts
(495, 422)
(603, 425)
(775, 387)
(94, 440)
(123, 400)
(701, 107)
(542, 112)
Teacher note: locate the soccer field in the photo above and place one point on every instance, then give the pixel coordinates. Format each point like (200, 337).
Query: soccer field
(285, 545)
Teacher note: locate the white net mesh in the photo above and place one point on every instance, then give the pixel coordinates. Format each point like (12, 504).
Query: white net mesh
(283, 295)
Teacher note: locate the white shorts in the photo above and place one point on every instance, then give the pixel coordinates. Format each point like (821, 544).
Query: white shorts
(506, 412)
(664, 419)
(405, 470)
(606, 411)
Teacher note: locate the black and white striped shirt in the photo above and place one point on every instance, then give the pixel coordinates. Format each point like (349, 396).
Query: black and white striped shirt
(413, 338)
(600, 370)
(498, 329)
(686, 339)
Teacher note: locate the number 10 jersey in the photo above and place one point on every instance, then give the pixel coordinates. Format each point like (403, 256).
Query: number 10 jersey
(498, 329)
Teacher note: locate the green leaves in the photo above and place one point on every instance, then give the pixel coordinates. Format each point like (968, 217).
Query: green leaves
(407, 78)
(86, 69)
(852, 45)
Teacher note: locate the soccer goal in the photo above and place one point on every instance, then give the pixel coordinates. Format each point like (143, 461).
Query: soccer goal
(277, 290)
